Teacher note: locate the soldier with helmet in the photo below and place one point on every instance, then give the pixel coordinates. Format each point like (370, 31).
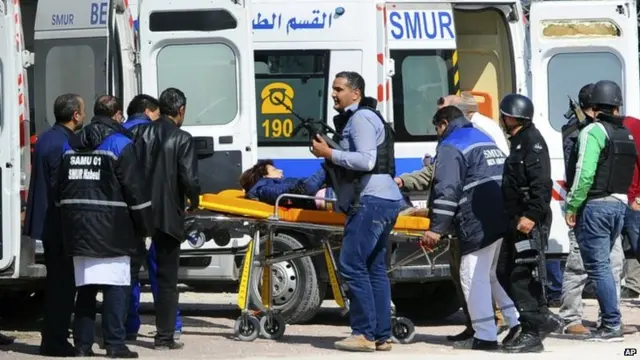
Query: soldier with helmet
(526, 188)
(597, 201)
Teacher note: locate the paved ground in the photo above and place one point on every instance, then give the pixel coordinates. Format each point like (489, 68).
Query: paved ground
(208, 333)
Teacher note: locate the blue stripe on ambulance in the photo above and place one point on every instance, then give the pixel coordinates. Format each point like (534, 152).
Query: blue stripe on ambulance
(305, 167)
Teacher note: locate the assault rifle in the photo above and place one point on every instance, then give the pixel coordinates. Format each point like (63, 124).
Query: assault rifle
(313, 128)
(574, 110)
(318, 128)
(536, 242)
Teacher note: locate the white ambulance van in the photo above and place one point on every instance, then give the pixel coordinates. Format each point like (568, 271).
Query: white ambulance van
(89, 47)
(410, 53)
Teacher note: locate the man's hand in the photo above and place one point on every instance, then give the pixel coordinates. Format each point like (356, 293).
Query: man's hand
(399, 181)
(570, 219)
(525, 225)
(430, 239)
(320, 148)
(635, 206)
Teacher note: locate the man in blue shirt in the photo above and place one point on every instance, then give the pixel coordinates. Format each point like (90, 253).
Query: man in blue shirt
(42, 223)
(366, 191)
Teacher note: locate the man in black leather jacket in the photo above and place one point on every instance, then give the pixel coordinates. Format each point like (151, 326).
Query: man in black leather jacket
(103, 210)
(177, 166)
(142, 111)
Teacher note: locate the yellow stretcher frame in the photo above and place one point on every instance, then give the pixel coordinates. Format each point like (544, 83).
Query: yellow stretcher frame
(271, 325)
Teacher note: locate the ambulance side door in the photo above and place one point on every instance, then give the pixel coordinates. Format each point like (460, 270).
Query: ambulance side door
(9, 138)
(574, 43)
(204, 48)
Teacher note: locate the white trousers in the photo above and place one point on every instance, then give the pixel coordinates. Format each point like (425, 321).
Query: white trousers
(480, 285)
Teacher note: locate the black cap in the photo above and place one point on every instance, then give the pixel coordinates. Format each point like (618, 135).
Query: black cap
(517, 106)
(584, 96)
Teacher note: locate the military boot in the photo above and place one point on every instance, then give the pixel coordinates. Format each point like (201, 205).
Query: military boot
(525, 343)
(551, 323)
(513, 334)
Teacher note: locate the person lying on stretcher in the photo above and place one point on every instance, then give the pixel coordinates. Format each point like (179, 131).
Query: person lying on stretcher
(264, 182)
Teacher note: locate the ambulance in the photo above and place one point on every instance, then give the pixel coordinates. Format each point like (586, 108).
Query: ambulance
(410, 53)
(89, 47)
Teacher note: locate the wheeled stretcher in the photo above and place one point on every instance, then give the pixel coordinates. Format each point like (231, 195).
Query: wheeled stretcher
(229, 211)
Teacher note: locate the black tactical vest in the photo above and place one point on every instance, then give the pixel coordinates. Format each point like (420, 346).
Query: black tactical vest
(385, 153)
(616, 163)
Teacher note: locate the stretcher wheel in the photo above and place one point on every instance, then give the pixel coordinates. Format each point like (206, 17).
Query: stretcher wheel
(247, 328)
(402, 330)
(272, 327)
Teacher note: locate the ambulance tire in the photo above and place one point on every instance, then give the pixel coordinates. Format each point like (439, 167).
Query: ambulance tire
(434, 301)
(297, 290)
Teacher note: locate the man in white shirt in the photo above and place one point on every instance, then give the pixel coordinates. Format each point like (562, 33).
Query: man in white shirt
(469, 106)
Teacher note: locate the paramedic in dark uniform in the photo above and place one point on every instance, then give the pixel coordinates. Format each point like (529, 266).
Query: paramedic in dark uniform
(526, 187)
(178, 165)
(142, 111)
(466, 200)
(104, 212)
(371, 199)
(597, 202)
(41, 222)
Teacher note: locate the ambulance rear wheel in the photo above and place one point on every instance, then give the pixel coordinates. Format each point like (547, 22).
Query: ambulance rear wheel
(296, 293)
(402, 330)
(247, 328)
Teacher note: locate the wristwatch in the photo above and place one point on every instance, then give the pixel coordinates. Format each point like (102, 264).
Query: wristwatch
(637, 200)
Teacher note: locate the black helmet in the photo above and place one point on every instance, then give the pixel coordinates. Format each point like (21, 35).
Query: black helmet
(606, 92)
(517, 106)
(584, 96)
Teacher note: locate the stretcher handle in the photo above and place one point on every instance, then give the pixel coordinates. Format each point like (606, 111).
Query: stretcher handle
(297, 196)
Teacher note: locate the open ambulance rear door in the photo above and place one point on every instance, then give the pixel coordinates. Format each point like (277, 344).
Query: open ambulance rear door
(422, 42)
(84, 47)
(204, 48)
(574, 43)
(18, 254)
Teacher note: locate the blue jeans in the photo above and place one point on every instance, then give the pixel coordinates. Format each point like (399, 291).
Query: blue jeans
(133, 322)
(631, 229)
(598, 225)
(363, 266)
(554, 279)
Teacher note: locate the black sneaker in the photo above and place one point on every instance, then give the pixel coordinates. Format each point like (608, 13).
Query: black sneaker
(627, 293)
(514, 332)
(476, 344)
(168, 345)
(525, 343)
(6, 340)
(604, 334)
(465, 335)
(123, 353)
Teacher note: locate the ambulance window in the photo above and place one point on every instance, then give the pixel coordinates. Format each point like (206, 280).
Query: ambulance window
(568, 72)
(421, 77)
(207, 75)
(195, 20)
(299, 79)
(80, 81)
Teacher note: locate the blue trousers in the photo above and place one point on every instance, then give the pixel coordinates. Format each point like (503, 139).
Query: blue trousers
(133, 319)
(597, 227)
(554, 279)
(363, 266)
